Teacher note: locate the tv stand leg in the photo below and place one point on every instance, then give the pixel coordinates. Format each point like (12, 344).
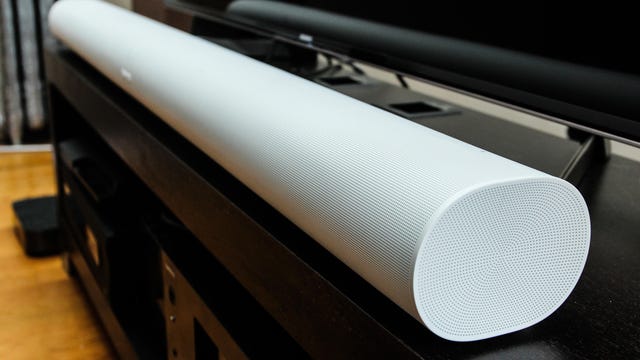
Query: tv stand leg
(593, 150)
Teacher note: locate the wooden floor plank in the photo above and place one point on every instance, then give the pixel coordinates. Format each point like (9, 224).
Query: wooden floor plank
(44, 314)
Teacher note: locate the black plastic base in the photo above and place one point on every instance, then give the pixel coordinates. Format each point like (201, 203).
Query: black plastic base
(36, 225)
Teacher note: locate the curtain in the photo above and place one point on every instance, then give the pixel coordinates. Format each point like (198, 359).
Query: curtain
(23, 31)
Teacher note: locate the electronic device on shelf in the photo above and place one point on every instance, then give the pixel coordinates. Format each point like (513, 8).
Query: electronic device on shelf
(471, 244)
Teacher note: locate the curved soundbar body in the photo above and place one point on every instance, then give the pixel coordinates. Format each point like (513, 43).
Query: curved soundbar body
(469, 243)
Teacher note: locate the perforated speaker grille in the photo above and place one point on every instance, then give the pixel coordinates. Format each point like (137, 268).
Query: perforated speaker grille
(501, 259)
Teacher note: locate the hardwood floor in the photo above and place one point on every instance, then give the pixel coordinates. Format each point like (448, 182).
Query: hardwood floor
(43, 313)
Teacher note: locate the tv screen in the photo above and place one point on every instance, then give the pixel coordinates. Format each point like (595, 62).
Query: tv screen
(572, 64)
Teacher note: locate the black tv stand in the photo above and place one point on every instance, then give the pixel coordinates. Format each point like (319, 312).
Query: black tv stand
(201, 267)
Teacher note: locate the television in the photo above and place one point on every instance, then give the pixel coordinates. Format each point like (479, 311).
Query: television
(573, 65)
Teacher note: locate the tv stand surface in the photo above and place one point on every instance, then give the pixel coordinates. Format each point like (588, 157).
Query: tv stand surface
(236, 278)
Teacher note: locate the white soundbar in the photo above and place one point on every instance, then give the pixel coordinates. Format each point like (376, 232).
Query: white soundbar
(471, 244)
